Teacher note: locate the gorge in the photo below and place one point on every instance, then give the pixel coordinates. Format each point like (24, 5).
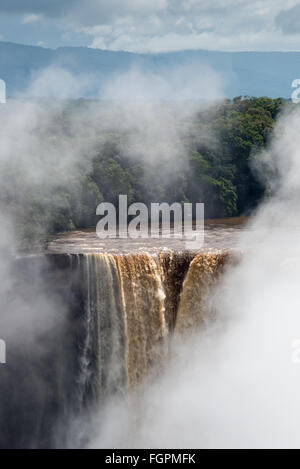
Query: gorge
(117, 314)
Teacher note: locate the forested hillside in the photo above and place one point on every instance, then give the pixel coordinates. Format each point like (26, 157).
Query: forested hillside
(218, 145)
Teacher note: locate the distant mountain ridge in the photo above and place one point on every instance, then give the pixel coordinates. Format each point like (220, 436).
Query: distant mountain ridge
(243, 73)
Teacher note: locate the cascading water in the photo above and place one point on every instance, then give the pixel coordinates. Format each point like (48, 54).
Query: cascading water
(123, 322)
(202, 275)
(102, 356)
(119, 312)
(132, 303)
(143, 302)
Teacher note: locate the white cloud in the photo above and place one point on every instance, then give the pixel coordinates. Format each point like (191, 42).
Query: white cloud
(175, 25)
(288, 20)
(168, 25)
(33, 18)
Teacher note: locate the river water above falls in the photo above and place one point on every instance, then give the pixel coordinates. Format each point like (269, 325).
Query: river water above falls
(219, 234)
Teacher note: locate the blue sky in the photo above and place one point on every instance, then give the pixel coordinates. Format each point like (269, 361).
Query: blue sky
(153, 25)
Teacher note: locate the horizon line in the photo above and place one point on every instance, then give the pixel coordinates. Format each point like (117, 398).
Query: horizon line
(233, 51)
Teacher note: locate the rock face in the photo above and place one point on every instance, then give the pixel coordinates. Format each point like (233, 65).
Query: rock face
(92, 325)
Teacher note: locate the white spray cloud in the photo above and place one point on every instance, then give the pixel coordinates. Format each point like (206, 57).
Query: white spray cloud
(155, 110)
(191, 81)
(55, 82)
(152, 109)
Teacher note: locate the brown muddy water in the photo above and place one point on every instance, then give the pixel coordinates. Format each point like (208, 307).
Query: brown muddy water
(219, 234)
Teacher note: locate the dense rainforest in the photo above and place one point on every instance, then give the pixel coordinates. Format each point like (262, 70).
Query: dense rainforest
(217, 145)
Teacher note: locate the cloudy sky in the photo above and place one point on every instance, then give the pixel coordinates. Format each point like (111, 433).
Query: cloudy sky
(153, 25)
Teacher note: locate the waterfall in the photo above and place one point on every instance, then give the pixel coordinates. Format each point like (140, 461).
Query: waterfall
(102, 360)
(132, 304)
(202, 275)
(115, 315)
(124, 333)
(143, 302)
